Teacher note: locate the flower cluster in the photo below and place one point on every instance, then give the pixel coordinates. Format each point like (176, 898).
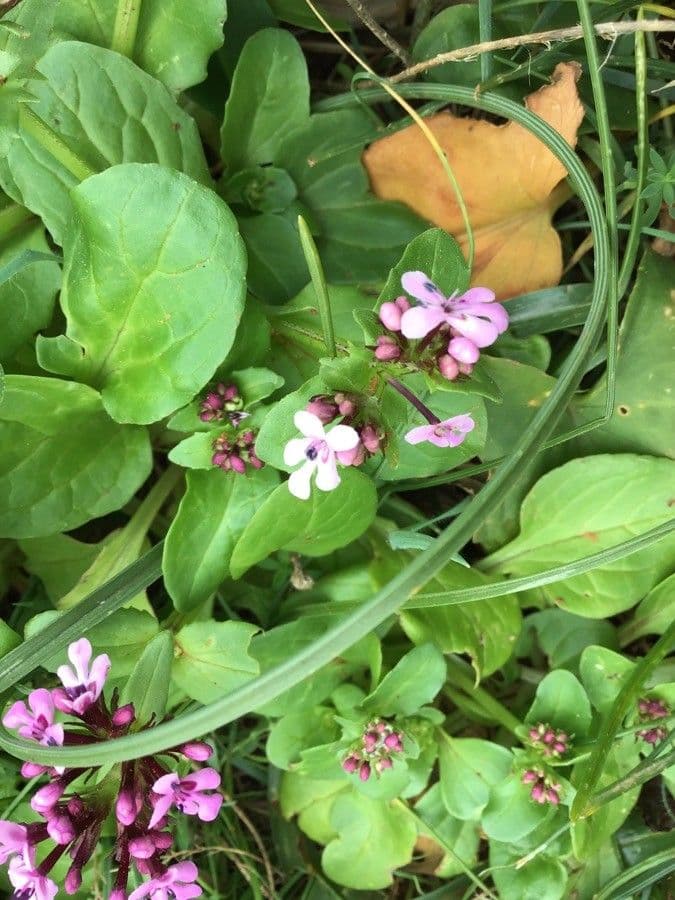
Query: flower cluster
(378, 742)
(232, 453)
(452, 330)
(75, 806)
(549, 742)
(650, 711)
(223, 402)
(544, 789)
(340, 405)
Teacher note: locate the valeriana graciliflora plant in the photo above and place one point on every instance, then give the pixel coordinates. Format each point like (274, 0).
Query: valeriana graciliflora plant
(414, 533)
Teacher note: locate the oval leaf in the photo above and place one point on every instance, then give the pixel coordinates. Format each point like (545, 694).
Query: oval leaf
(148, 685)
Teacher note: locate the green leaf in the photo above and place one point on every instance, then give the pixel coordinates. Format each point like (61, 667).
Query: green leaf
(438, 255)
(9, 639)
(212, 658)
(148, 685)
(562, 702)
(268, 98)
(58, 561)
(415, 680)
(297, 731)
(543, 878)
(171, 43)
(451, 29)
(487, 630)
(276, 264)
(311, 800)
(28, 284)
(107, 111)
(314, 527)
(298, 13)
(599, 501)
(63, 460)
(153, 292)
(511, 814)
(469, 769)
(374, 837)
(213, 513)
(643, 404)
(124, 635)
(655, 613)
(563, 636)
(602, 673)
(461, 837)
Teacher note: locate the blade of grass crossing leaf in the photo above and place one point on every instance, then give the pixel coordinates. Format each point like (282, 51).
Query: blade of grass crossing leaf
(319, 282)
(78, 620)
(26, 258)
(126, 25)
(584, 803)
(353, 627)
(52, 143)
(643, 874)
(609, 184)
(485, 34)
(642, 151)
(644, 771)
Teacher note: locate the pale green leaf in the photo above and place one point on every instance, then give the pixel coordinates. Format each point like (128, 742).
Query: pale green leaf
(212, 659)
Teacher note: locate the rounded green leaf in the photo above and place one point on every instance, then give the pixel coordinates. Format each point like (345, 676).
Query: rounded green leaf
(212, 658)
(656, 612)
(315, 527)
(415, 680)
(562, 702)
(63, 460)
(543, 878)
(469, 768)
(603, 672)
(153, 290)
(374, 837)
(511, 814)
(213, 513)
(148, 685)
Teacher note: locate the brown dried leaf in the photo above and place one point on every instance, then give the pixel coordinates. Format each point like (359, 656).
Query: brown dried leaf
(508, 179)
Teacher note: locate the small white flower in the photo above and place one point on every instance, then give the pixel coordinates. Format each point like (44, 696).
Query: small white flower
(316, 449)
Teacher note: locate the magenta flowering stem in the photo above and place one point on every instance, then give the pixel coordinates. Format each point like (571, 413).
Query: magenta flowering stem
(416, 402)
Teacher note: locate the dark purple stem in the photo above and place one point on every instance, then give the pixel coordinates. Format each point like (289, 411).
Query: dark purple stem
(416, 402)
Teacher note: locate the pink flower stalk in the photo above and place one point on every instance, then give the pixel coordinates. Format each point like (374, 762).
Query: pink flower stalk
(548, 741)
(187, 795)
(317, 451)
(378, 741)
(234, 454)
(652, 710)
(473, 315)
(176, 882)
(28, 880)
(449, 433)
(82, 684)
(36, 723)
(543, 790)
(391, 313)
(72, 822)
(224, 400)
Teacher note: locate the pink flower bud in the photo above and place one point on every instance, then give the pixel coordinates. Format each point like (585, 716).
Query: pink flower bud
(465, 368)
(384, 763)
(73, 880)
(350, 764)
(75, 806)
(353, 457)
(237, 464)
(322, 408)
(142, 847)
(126, 807)
(124, 715)
(559, 747)
(162, 839)
(390, 316)
(552, 796)
(47, 797)
(254, 461)
(221, 460)
(30, 770)
(393, 742)
(448, 367)
(538, 793)
(529, 777)
(463, 350)
(548, 736)
(387, 349)
(364, 771)
(347, 407)
(370, 740)
(60, 829)
(370, 438)
(199, 751)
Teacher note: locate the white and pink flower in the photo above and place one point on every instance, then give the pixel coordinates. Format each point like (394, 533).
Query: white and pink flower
(316, 450)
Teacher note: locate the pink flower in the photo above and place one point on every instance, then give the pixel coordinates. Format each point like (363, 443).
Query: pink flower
(450, 433)
(187, 795)
(472, 315)
(36, 724)
(28, 881)
(177, 882)
(83, 684)
(13, 839)
(316, 450)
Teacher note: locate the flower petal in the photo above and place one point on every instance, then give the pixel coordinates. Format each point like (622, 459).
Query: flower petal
(203, 779)
(163, 804)
(418, 285)
(464, 423)
(494, 312)
(477, 295)
(166, 784)
(419, 435)
(308, 424)
(298, 483)
(420, 320)
(327, 478)
(40, 701)
(480, 331)
(342, 437)
(79, 653)
(294, 451)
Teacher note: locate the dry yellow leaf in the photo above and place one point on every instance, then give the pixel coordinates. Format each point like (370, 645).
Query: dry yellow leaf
(507, 177)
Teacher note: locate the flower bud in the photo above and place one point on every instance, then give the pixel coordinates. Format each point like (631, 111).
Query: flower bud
(142, 847)
(387, 349)
(47, 797)
(61, 829)
(370, 438)
(30, 770)
(463, 350)
(364, 771)
(323, 408)
(124, 715)
(393, 742)
(237, 464)
(73, 880)
(390, 316)
(353, 457)
(199, 751)
(448, 367)
(350, 764)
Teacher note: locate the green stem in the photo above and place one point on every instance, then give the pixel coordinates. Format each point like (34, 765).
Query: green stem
(643, 772)
(12, 218)
(635, 233)
(485, 34)
(126, 24)
(50, 141)
(461, 675)
(316, 273)
(423, 826)
(584, 803)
